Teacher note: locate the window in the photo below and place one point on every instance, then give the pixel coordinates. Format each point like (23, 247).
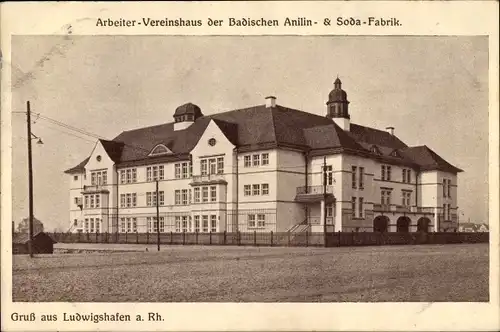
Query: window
(449, 188)
(361, 177)
(162, 224)
(444, 188)
(177, 197)
(184, 224)
(134, 199)
(97, 200)
(385, 197)
(354, 207)
(360, 206)
(256, 189)
(329, 210)
(406, 175)
(251, 220)
(261, 220)
(98, 225)
(134, 225)
(184, 196)
(213, 193)
(177, 169)
(162, 198)
(247, 190)
(159, 149)
(265, 189)
(75, 178)
(213, 223)
(87, 201)
(212, 166)
(386, 173)
(265, 159)
(220, 165)
(92, 201)
(123, 202)
(204, 194)
(197, 195)
(183, 170)
(86, 226)
(329, 175)
(406, 198)
(177, 224)
(354, 180)
(154, 173)
(205, 223)
(123, 225)
(98, 178)
(128, 200)
(256, 160)
(247, 161)
(129, 225)
(204, 167)
(75, 222)
(196, 224)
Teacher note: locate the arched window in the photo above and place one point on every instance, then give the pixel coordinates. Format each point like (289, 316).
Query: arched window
(159, 150)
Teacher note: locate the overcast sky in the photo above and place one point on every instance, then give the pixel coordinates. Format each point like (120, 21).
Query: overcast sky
(433, 90)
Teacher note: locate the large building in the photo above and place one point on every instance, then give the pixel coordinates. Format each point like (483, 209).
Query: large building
(263, 169)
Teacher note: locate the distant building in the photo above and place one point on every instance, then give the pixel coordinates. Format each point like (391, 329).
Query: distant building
(42, 243)
(473, 227)
(261, 169)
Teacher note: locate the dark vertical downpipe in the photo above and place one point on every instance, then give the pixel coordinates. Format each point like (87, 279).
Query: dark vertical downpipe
(306, 208)
(117, 201)
(417, 174)
(237, 189)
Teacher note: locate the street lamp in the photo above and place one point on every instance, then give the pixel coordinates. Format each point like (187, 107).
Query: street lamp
(31, 137)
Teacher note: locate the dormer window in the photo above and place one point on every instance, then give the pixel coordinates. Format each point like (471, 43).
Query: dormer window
(396, 154)
(160, 149)
(374, 149)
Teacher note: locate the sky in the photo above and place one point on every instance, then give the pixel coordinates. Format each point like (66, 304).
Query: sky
(433, 90)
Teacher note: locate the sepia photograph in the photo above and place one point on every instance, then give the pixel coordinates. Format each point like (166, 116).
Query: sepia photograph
(250, 169)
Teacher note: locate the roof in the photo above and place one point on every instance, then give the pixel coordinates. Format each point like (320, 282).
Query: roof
(22, 238)
(80, 168)
(429, 160)
(261, 127)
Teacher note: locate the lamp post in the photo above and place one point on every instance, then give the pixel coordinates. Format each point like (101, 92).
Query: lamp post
(30, 137)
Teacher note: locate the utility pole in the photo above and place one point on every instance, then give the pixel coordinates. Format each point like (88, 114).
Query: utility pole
(30, 181)
(324, 198)
(157, 215)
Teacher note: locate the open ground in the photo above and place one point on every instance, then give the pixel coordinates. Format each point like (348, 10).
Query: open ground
(252, 274)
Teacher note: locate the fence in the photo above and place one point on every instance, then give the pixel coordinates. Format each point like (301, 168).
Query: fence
(300, 239)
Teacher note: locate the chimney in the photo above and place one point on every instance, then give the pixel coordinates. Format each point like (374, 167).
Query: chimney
(390, 130)
(270, 101)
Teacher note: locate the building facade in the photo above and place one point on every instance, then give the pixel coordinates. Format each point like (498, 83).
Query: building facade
(263, 168)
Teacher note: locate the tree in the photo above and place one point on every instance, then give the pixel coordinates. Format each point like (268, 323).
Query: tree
(23, 226)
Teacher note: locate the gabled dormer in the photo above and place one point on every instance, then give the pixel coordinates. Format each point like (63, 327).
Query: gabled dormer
(375, 150)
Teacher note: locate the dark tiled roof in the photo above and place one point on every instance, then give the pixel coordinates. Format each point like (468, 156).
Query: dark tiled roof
(78, 168)
(428, 159)
(375, 136)
(260, 127)
(22, 238)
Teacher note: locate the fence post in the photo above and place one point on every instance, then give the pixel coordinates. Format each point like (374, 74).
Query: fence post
(171, 237)
(238, 237)
(147, 238)
(210, 237)
(196, 237)
(307, 238)
(183, 238)
(271, 238)
(126, 237)
(136, 237)
(79, 237)
(88, 237)
(96, 237)
(224, 237)
(254, 238)
(339, 238)
(288, 234)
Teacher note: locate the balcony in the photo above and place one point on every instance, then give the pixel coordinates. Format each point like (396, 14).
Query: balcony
(208, 179)
(402, 209)
(318, 221)
(314, 194)
(95, 189)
